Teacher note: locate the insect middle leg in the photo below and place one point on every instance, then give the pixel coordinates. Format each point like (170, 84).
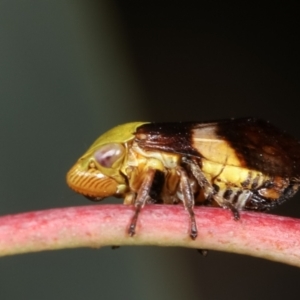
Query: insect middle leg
(188, 200)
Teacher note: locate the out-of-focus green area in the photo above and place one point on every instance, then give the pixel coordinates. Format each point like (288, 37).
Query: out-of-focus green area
(70, 70)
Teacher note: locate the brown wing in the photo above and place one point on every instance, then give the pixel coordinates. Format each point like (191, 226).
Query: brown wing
(261, 146)
(246, 142)
(167, 137)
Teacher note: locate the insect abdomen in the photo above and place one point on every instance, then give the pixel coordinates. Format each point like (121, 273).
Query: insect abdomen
(247, 189)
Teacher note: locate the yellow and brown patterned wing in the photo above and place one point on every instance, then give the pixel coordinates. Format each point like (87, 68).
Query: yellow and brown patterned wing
(246, 142)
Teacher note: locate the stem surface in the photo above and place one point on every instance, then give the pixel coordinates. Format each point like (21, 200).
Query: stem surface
(256, 234)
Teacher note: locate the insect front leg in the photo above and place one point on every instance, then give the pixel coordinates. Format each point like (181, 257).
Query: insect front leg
(141, 198)
(188, 200)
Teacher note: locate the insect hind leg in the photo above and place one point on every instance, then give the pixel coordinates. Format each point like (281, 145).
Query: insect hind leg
(209, 190)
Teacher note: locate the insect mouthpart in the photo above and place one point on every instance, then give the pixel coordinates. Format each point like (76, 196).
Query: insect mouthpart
(90, 182)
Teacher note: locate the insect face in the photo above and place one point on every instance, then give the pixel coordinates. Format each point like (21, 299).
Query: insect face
(96, 174)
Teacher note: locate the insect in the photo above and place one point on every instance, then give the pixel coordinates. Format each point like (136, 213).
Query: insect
(239, 164)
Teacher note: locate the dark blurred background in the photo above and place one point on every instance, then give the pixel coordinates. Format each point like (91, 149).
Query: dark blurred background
(70, 70)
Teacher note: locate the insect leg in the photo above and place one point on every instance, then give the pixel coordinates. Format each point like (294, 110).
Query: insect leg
(201, 179)
(209, 190)
(142, 197)
(188, 200)
(234, 210)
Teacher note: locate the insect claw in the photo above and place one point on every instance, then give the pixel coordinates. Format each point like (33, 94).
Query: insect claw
(234, 211)
(194, 234)
(131, 230)
(194, 230)
(236, 214)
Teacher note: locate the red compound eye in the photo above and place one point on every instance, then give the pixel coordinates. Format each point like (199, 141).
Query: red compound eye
(108, 154)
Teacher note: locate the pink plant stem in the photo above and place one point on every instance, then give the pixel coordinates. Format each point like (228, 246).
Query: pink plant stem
(256, 234)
